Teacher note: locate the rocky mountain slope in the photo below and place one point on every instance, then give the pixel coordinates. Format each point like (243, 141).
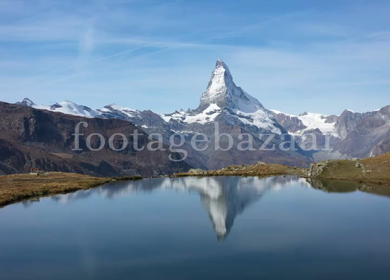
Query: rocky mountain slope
(224, 103)
(312, 131)
(364, 134)
(236, 112)
(43, 139)
(351, 134)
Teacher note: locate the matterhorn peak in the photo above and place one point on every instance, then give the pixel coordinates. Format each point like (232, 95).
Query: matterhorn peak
(221, 73)
(221, 64)
(223, 92)
(220, 61)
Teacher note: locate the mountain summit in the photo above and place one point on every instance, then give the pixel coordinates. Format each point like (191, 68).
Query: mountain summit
(223, 92)
(227, 109)
(224, 101)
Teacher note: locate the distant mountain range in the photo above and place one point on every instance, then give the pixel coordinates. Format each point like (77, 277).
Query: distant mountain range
(349, 135)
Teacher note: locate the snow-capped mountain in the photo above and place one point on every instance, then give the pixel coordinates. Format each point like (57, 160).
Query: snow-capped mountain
(301, 124)
(224, 93)
(305, 125)
(223, 96)
(118, 112)
(65, 107)
(238, 112)
(350, 134)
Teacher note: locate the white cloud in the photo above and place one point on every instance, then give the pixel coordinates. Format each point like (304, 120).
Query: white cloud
(60, 49)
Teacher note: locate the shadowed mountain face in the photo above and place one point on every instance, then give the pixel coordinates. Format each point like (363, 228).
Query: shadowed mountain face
(42, 139)
(224, 198)
(350, 134)
(382, 147)
(365, 134)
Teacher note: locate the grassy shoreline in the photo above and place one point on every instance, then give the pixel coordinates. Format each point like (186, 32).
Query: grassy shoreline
(373, 171)
(258, 170)
(20, 187)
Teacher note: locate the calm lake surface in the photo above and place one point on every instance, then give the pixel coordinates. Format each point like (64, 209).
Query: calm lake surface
(200, 228)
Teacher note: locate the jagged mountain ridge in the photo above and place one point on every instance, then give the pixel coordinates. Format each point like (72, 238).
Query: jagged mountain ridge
(221, 96)
(369, 131)
(351, 134)
(223, 102)
(237, 112)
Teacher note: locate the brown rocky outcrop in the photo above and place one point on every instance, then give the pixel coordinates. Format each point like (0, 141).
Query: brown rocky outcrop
(36, 138)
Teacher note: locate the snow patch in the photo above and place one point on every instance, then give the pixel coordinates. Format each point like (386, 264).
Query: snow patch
(279, 112)
(69, 108)
(260, 119)
(314, 121)
(127, 111)
(207, 115)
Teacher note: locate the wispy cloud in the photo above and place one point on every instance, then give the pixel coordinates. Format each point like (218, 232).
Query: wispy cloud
(292, 58)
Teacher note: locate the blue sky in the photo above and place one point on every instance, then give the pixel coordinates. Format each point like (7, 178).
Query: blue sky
(294, 56)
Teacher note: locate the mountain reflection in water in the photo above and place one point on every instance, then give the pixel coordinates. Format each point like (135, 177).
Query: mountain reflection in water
(222, 197)
(271, 228)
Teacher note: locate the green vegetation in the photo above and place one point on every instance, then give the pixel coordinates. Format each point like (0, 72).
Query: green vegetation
(342, 169)
(375, 170)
